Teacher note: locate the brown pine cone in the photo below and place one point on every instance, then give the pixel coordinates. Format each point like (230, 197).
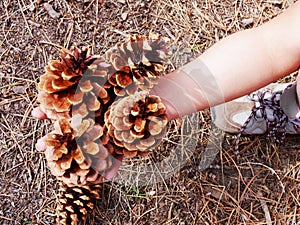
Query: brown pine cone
(74, 81)
(74, 203)
(136, 124)
(137, 63)
(75, 153)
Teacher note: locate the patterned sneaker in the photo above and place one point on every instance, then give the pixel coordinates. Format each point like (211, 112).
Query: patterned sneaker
(272, 110)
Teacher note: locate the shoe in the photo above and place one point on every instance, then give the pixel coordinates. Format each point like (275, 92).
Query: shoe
(272, 110)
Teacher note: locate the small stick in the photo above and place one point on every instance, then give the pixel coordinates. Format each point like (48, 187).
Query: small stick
(269, 168)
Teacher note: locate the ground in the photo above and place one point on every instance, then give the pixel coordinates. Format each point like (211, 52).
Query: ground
(172, 186)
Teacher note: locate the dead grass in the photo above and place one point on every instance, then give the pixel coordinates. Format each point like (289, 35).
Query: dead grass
(260, 188)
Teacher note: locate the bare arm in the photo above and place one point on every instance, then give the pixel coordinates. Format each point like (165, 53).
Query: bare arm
(240, 64)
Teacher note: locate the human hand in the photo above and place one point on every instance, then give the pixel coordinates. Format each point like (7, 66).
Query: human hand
(40, 146)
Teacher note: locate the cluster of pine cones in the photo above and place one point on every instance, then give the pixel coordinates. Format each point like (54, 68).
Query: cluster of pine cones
(101, 109)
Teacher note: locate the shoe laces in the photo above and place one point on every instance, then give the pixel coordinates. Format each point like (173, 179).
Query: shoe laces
(267, 107)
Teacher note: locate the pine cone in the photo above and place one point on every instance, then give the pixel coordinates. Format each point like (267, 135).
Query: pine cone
(137, 63)
(75, 153)
(74, 203)
(80, 150)
(136, 124)
(74, 81)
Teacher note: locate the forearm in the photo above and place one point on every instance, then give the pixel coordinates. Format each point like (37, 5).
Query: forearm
(235, 66)
(251, 59)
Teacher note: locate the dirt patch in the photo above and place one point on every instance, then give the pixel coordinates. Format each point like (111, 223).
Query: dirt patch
(263, 185)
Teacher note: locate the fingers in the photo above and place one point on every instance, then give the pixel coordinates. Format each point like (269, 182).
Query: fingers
(114, 169)
(38, 113)
(40, 144)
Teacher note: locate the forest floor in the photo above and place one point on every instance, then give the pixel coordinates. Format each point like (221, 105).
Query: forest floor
(262, 187)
